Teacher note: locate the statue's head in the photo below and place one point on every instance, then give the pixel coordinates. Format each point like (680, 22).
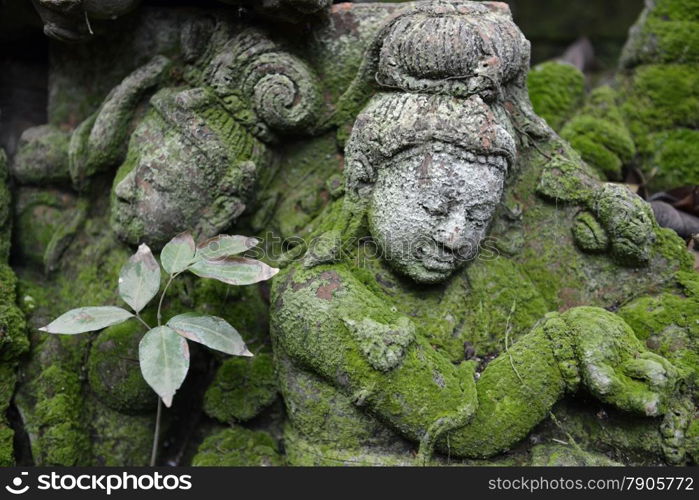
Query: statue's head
(431, 170)
(428, 156)
(190, 166)
(193, 161)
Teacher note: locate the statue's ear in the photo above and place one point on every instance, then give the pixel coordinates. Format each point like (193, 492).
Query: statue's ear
(222, 214)
(234, 188)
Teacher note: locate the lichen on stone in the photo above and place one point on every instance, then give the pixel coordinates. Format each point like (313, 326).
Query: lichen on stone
(241, 389)
(556, 90)
(237, 446)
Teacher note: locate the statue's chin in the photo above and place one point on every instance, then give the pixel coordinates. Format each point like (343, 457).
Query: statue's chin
(126, 226)
(424, 273)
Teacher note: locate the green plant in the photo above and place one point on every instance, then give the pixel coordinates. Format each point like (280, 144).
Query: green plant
(163, 351)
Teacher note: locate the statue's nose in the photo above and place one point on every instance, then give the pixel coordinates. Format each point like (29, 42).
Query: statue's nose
(450, 232)
(126, 189)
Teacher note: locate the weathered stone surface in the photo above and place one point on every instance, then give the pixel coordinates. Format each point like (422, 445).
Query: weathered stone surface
(457, 277)
(443, 166)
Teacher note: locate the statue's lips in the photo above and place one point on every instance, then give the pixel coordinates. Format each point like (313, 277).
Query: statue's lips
(437, 264)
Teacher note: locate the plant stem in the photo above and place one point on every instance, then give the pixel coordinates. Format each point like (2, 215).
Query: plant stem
(154, 451)
(139, 318)
(162, 296)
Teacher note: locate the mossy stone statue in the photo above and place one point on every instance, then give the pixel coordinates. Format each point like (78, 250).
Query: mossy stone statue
(458, 226)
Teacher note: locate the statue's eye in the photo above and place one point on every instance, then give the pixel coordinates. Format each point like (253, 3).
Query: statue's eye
(154, 177)
(436, 206)
(481, 212)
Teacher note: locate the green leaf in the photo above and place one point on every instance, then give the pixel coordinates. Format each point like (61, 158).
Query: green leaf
(212, 331)
(234, 270)
(164, 359)
(224, 245)
(87, 319)
(139, 279)
(178, 253)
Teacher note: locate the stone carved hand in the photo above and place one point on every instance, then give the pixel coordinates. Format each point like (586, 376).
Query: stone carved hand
(628, 222)
(615, 220)
(383, 344)
(614, 366)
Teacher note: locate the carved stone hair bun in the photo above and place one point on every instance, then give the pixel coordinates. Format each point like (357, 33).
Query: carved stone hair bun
(458, 48)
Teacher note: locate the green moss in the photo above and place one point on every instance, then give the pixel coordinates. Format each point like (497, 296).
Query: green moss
(671, 249)
(52, 398)
(667, 32)
(622, 437)
(661, 91)
(237, 447)
(42, 156)
(556, 455)
(298, 192)
(119, 440)
(556, 90)
(241, 389)
(13, 344)
(563, 179)
(57, 424)
(7, 457)
(629, 222)
(675, 158)
(13, 337)
(589, 235)
(5, 204)
(244, 307)
(660, 97)
(692, 436)
(39, 215)
(667, 322)
(113, 369)
(673, 40)
(598, 133)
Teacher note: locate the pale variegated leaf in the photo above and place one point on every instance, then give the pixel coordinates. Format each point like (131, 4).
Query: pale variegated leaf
(212, 331)
(87, 319)
(234, 270)
(224, 245)
(178, 253)
(164, 359)
(139, 279)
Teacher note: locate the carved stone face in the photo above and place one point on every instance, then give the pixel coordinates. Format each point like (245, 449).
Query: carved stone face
(431, 209)
(432, 169)
(172, 182)
(157, 198)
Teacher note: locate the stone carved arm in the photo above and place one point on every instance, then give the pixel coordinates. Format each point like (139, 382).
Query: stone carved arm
(101, 141)
(613, 219)
(331, 324)
(49, 154)
(584, 347)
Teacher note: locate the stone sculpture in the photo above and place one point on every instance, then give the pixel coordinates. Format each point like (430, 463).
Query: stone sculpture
(362, 337)
(459, 286)
(211, 126)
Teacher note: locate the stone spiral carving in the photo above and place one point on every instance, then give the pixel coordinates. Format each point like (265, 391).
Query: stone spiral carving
(286, 100)
(280, 89)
